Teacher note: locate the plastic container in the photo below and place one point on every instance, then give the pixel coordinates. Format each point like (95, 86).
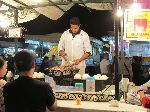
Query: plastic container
(90, 84)
(71, 88)
(79, 87)
(48, 79)
(51, 81)
(58, 87)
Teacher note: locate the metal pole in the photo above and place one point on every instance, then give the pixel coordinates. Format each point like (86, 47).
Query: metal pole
(16, 23)
(122, 42)
(42, 50)
(116, 31)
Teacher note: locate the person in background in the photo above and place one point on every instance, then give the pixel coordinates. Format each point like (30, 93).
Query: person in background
(105, 65)
(3, 70)
(74, 45)
(11, 64)
(139, 97)
(26, 94)
(125, 67)
(53, 62)
(138, 72)
(45, 64)
(144, 98)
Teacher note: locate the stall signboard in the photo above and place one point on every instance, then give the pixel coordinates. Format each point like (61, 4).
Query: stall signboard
(15, 32)
(137, 25)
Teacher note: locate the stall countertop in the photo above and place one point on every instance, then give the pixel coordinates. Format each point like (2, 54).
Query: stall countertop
(87, 106)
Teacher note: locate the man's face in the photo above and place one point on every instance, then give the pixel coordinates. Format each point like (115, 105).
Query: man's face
(3, 70)
(75, 28)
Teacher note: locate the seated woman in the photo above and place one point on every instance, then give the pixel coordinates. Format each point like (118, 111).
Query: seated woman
(141, 97)
(3, 70)
(145, 100)
(44, 65)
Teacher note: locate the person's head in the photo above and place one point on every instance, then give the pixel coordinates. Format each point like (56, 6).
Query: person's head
(25, 61)
(45, 59)
(3, 67)
(105, 56)
(74, 24)
(53, 57)
(135, 59)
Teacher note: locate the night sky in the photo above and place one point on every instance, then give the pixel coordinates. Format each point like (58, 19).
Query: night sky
(95, 23)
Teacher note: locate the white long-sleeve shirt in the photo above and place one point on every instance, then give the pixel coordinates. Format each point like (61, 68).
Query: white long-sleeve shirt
(75, 47)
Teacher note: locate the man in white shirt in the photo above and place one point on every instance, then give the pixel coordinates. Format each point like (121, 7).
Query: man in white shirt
(75, 45)
(105, 65)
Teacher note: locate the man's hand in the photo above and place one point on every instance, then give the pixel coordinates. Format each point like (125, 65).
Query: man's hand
(62, 53)
(144, 89)
(77, 62)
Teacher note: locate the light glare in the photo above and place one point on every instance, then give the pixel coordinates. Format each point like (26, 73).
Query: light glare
(135, 7)
(119, 12)
(4, 22)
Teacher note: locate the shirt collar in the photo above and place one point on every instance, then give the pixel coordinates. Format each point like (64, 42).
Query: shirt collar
(74, 34)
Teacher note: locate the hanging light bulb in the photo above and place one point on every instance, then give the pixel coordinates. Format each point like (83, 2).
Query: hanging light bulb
(4, 22)
(119, 12)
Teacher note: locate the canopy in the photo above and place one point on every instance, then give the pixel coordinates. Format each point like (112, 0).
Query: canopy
(53, 9)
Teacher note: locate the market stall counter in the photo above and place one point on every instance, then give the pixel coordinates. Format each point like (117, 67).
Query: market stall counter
(89, 101)
(71, 106)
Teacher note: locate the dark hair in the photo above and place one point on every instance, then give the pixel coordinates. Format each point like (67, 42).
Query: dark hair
(75, 21)
(53, 55)
(137, 59)
(24, 60)
(45, 58)
(105, 55)
(2, 61)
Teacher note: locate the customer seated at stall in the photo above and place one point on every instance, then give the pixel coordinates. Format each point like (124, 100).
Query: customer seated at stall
(3, 70)
(140, 95)
(138, 72)
(53, 62)
(144, 98)
(26, 94)
(105, 65)
(45, 64)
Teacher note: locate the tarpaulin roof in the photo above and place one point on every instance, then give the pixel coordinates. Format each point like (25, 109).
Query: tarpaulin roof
(53, 9)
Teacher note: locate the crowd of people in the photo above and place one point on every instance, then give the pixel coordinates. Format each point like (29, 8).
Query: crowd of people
(128, 68)
(134, 71)
(25, 94)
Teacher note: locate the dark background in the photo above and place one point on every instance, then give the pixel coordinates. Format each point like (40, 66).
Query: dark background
(95, 23)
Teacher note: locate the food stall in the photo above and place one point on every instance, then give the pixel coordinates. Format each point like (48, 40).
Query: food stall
(69, 85)
(85, 86)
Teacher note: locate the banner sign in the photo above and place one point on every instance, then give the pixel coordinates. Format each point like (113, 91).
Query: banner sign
(137, 25)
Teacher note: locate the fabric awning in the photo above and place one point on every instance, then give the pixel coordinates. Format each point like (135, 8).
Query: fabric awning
(29, 9)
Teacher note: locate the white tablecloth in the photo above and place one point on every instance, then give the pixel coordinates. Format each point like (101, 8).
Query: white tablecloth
(87, 106)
